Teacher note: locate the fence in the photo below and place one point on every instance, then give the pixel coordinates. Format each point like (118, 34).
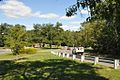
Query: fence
(96, 60)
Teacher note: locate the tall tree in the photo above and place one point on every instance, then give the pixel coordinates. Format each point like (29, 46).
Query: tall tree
(48, 33)
(37, 34)
(107, 10)
(58, 34)
(16, 38)
(3, 31)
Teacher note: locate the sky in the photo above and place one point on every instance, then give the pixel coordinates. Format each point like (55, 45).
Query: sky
(29, 12)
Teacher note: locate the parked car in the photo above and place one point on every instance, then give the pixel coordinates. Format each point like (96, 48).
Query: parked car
(79, 50)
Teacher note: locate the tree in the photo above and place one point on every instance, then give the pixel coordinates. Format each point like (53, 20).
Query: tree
(68, 39)
(59, 32)
(37, 34)
(3, 31)
(48, 33)
(91, 32)
(16, 38)
(107, 11)
(30, 37)
(89, 4)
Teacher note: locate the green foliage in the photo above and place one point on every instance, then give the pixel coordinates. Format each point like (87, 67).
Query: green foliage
(89, 4)
(28, 51)
(111, 32)
(16, 38)
(47, 33)
(3, 31)
(106, 40)
(71, 38)
(68, 38)
(91, 32)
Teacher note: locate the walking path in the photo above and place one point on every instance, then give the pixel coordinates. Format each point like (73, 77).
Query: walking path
(3, 51)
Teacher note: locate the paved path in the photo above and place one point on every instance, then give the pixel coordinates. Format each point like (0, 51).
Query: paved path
(3, 51)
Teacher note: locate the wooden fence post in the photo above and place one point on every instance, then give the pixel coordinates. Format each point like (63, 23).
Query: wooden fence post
(74, 56)
(63, 54)
(59, 54)
(96, 60)
(116, 63)
(82, 58)
(68, 55)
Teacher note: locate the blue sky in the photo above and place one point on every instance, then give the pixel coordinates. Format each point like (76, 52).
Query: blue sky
(29, 12)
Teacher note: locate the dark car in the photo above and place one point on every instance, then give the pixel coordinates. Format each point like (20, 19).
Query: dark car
(74, 51)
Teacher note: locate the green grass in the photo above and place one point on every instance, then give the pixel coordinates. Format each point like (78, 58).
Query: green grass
(10, 56)
(46, 66)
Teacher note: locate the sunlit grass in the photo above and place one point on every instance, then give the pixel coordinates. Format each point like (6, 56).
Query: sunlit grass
(45, 66)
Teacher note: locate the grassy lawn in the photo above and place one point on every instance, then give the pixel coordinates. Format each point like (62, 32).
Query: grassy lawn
(45, 66)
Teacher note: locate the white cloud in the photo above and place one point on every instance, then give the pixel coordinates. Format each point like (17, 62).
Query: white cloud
(17, 9)
(75, 22)
(84, 11)
(48, 15)
(67, 18)
(67, 27)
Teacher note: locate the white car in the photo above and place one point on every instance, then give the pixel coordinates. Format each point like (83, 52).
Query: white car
(79, 50)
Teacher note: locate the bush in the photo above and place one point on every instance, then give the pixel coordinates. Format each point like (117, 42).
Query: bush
(28, 51)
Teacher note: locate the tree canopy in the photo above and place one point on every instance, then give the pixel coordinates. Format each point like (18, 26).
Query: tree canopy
(106, 11)
(16, 38)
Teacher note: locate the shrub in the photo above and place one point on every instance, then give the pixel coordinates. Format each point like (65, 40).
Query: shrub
(28, 51)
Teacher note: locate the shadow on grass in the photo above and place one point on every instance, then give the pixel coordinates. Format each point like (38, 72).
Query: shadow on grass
(52, 69)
